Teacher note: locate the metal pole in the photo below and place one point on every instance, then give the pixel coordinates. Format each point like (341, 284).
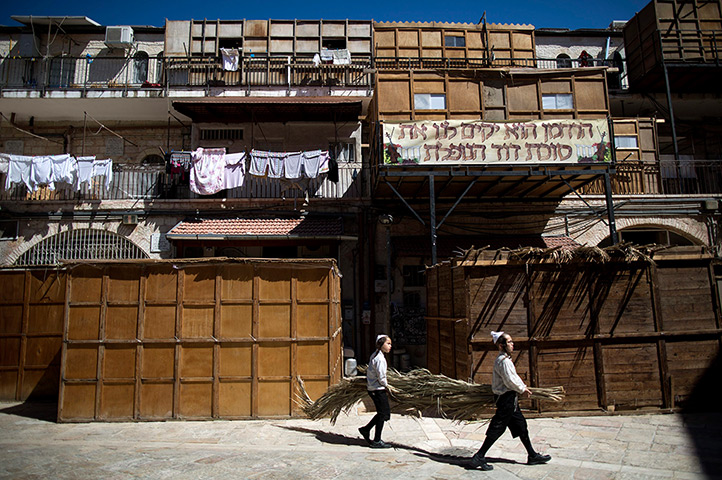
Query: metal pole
(610, 208)
(669, 103)
(432, 218)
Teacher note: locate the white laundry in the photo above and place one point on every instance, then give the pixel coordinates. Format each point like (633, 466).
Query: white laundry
(341, 57)
(4, 160)
(19, 168)
(230, 59)
(275, 164)
(84, 171)
(293, 164)
(64, 169)
(208, 170)
(315, 162)
(235, 171)
(41, 172)
(104, 168)
(259, 163)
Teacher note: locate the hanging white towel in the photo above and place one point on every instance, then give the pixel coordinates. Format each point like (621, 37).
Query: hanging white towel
(208, 170)
(259, 163)
(41, 172)
(19, 168)
(64, 169)
(230, 59)
(293, 164)
(275, 164)
(235, 171)
(315, 162)
(4, 160)
(104, 168)
(84, 171)
(341, 57)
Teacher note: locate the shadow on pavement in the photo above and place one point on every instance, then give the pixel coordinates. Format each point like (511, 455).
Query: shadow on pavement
(47, 412)
(338, 439)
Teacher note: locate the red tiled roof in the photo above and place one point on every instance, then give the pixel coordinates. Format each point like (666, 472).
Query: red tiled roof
(240, 227)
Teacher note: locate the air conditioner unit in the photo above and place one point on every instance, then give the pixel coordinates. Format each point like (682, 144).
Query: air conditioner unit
(119, 37)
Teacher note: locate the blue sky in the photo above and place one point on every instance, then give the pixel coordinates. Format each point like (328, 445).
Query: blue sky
(561, 14)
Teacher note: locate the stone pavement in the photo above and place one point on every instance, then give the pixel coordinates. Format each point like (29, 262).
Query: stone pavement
(659, 446)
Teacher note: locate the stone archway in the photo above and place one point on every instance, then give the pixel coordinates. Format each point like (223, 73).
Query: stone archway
(691, 229)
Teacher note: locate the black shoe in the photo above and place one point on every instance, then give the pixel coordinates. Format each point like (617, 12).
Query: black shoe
(479, 462)
(537, 459)
(380, 444)
(365, 433)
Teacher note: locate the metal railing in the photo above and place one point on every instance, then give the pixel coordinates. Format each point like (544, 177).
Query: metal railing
(88, 73)
(140, 182)
(668, 177)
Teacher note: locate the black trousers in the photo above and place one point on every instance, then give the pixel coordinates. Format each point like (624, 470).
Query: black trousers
(509, 415)
(381, 402)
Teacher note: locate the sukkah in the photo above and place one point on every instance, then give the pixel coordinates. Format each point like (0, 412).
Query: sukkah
(413, 393)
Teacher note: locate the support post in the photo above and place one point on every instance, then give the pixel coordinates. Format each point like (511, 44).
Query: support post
(432, 218)
(610, 208)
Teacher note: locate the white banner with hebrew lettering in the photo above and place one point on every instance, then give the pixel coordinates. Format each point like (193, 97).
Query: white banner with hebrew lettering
(465, 142)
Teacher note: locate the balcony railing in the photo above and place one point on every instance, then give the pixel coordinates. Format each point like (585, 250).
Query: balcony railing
(88, 73)
(136, 182)
(664, 178)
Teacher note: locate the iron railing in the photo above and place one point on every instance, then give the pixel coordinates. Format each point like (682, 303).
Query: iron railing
(88, 73)
(152, 182)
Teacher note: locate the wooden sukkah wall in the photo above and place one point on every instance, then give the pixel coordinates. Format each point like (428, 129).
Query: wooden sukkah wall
(617, 335)
(151, 340)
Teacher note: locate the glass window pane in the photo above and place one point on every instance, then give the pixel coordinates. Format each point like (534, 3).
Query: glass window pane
(438, 102)
(422, 101)
(564, 101)
(549, 102)
(625, 141)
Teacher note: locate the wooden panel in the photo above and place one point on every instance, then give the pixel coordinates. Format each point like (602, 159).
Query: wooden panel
(13, 287)
(84, 323)
(393, 96)
(274, 283)
(407, 38)
(200, 284)
(43, 318)
(158, 361)
(234, 399)
(195, 400)
(9, 352)
(87, 284)
(40, 384)
(121, 323)
(312, 359)
(684, 294)
(274, 360)
(385, 38)
(156, 400)
(631, 376)
(464, 96)
(236, 321)
(117, 401)
(123, 284)
(159, 322)
(312, 285)
(197, 322)
(119, 362)
(237, 282)
(11, 318)
(623, 301)
(45, 287)
(561, 303)
(432, 294)
(496, 301)
(572, 368)
(196, 361)
(431, 38)
(160, 285)
(688, 362)
(590, 95)
(313, 320)
(235, 360)
(461, 292)
(8, 383)
(275, 321)
(446, 292)
(78, 402)
(432, 345)
(274, 398)
(81, 362)
(42, 351)
(523, 97)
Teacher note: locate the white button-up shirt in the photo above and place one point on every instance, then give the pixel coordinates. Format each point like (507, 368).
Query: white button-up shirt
(505, 377)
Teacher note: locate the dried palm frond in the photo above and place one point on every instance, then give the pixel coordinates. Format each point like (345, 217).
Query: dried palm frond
(413, 393)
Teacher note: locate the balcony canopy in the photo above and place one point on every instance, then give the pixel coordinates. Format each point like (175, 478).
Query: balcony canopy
(271, 109)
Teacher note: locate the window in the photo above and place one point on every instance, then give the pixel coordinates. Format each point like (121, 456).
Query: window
(564, 61)
(625, 141)
(344, 152)
(454, 41)
(8, 229)
(140, 67)
(430, 101)
(82, 244)
(414, 276)
(221, 134)
(557, 101)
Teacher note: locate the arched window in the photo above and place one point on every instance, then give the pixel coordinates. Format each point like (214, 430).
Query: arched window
(140, 67)
(564, 61)
(153, 160)
(82, 244)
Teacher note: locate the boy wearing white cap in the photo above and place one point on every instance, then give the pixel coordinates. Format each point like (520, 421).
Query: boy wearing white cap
(377, 385)
(507, 386)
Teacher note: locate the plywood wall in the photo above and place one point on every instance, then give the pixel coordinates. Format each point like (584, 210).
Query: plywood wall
(199, 340)
(616, 336)
(31, 326)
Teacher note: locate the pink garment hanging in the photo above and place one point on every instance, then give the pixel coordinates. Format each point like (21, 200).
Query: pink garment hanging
(208, 171)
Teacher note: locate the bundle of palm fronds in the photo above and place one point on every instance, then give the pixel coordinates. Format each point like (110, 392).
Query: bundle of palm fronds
(413, 393)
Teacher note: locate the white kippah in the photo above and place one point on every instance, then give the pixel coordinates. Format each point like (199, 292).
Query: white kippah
(496, 335)
(379, 337)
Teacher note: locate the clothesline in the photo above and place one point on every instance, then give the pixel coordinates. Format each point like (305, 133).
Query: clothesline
(35, 171)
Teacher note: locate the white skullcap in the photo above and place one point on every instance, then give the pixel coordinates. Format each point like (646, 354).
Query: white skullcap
(496, 335)
(379, 337)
